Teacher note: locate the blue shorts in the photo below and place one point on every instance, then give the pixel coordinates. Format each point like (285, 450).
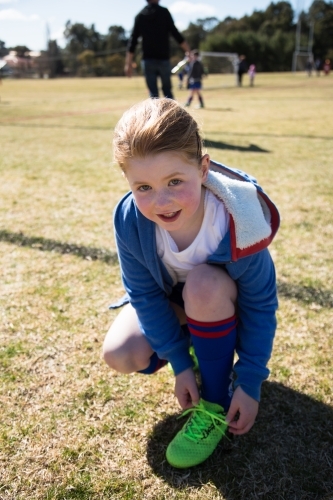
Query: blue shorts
(177, 295)
(195, 86)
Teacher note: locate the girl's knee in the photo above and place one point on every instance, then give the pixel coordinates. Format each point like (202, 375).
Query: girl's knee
(122, 360)
(112, 357)
(126, 353)
(207, 284)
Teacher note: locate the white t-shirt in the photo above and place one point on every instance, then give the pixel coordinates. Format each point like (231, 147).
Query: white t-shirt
(213, 228)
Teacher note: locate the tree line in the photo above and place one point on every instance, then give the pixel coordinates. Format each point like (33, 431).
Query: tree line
(266, 38)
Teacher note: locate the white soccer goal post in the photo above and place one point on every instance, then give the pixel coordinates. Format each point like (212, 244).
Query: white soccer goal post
(301, 59)
(220, 62)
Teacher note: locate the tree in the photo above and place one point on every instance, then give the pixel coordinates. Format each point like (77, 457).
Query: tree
(278, 16)
(321, 14)
(80, 38)
(21, 50)
(116, 63)
(115, 38)
(269, 53)
(86, 60)
(56, 65)
(195, 34)
(266, 38)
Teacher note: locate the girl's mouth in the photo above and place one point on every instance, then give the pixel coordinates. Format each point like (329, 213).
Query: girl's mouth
(170, 217)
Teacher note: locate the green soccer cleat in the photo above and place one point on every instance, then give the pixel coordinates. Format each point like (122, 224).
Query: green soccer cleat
(197, 440)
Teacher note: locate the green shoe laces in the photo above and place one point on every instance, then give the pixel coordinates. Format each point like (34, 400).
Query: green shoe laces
(202, 422)
(194, 358)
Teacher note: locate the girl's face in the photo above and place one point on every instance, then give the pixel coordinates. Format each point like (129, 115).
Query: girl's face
(168, 189)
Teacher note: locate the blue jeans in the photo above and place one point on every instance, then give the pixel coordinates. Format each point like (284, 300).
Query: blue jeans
(154, 68)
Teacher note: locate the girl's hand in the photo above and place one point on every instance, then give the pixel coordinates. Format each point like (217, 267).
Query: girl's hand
(186, 389)
(245, 409)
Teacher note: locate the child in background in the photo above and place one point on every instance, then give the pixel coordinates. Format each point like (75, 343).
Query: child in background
(192, 238)
(181, 75)
(327, 67)
(252, 74)
(195, 74)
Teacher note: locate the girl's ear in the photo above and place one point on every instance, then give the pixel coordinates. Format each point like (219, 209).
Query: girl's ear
(205, 162)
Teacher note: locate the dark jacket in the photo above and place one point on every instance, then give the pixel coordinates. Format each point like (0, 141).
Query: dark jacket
(154, 24)
(242, 67)
(196, 72)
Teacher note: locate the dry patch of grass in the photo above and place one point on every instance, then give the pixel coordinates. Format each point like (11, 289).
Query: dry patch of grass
(70, 428)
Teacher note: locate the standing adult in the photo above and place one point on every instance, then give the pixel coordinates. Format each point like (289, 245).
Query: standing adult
(242, 68)
(154, 24)
(309, 66)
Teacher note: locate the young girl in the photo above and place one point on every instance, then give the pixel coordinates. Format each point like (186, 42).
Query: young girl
(252, 74)
(195, 73)
(192, 239)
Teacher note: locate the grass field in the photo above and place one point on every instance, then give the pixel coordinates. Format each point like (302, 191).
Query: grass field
(69, 427)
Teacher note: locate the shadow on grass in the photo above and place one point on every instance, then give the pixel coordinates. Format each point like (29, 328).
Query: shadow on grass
(278, 136)
(60, 125)
(287, 455)
(48, 245)
(219, 109)
(306, 294)
(110, 128)
(252, 148)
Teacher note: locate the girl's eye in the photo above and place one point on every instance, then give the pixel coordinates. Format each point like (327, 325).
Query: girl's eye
(144, 188)
(175, 182)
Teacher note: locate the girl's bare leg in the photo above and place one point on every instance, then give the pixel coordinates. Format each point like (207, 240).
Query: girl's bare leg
(125, 348)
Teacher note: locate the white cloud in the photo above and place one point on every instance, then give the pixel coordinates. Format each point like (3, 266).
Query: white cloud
(184, 7)
(16, 15)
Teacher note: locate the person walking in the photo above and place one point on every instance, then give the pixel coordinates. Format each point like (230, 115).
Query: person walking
(242, 68)
(155, 25)
(309, 67)
(195, 74)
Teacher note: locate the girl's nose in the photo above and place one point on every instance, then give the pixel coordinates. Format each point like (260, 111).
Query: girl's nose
(162, 199)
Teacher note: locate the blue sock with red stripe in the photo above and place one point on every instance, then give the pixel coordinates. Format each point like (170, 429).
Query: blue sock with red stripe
(214, 344)
(155, 364)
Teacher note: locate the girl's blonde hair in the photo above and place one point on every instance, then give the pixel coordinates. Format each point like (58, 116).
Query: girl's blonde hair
(155, 126)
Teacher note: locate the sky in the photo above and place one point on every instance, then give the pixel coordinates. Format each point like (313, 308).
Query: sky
(26, 22)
